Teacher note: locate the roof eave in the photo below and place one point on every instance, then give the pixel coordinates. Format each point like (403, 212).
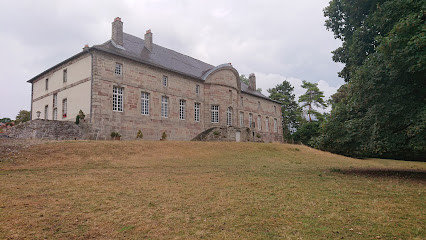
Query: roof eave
(59, 64)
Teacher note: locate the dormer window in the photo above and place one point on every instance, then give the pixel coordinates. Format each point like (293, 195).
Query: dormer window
(118, 69)
(165, 81)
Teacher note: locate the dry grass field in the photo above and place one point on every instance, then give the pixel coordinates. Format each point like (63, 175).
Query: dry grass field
(199, 190)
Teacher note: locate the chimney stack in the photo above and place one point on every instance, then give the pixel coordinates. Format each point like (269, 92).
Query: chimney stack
(86, 47)
(252, 81)
(148, 40)
(117, 32)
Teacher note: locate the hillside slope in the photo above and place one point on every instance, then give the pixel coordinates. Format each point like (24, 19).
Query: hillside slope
(193, 190)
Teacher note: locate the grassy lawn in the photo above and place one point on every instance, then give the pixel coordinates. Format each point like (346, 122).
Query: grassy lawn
(198, 190)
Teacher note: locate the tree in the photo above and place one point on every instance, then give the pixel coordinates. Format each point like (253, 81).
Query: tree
(313, 97)
(291, 113)
(22, 116)
(5, 120)
(382, 111)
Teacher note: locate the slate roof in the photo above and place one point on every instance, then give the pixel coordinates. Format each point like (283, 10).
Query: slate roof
(161, 57)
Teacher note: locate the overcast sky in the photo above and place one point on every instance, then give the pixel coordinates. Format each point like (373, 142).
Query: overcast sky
(276, 40)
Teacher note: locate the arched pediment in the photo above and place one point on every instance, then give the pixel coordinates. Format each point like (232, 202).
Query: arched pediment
(221, 75)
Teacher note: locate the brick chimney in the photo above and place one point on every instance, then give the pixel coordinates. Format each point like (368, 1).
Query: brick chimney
(252, 81)
(148, 40)
(86, 47)
(117, 32)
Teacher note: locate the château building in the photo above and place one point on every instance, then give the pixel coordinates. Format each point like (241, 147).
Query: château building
(129, 84)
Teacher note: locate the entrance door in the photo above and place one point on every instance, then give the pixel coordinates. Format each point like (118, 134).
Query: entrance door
(238, 136)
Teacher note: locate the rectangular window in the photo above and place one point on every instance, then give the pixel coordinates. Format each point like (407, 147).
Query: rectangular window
(46, 111)
(55, 105)
(46, 87)
(275, 109)
(229, 117)
(197, 89)
(165, 81)
(164, 107)
(275, 125)
(182, 109)
(118, 69)
(267, 124)
(117, 99)
(145, 103)
(64, 75)
(55, 100)
(241, 119)
(55, 114)
(197, 112)
(215, 113)
(250, 120)
(64, 107)
(259, 123)
(242, 101)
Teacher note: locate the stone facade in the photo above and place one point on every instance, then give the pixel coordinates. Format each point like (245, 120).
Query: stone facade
(219, 86)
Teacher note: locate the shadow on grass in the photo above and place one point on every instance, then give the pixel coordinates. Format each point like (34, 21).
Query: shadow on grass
(419, 175)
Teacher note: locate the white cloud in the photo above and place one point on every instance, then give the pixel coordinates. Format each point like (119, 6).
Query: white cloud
(287, 38)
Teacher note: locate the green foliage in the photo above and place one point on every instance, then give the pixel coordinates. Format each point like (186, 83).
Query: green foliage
(216, 133)
(313, 97)
(115, 134)
(5, 120)
(258, 135)
(77, 119)
(22, 116)
(381, 111)
(307, 132)
(81, 114)
(291, 112)
(164, 136)
(139, 134)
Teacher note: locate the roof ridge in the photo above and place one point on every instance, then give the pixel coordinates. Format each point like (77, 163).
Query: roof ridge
(170, 50)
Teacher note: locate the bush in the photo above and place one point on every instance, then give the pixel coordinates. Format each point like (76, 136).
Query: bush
(115, 134)
(77, 119)
(139, 134)
(164, 136)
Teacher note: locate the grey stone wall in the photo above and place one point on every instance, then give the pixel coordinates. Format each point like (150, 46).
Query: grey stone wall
(52, 130)
(229, 134)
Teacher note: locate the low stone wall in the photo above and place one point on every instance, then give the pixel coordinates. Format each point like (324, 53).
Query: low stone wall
(229, 134)
(51, 130)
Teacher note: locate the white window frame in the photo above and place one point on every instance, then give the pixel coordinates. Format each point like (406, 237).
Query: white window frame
(64, 108)
(46, 112)
(55, 114)
(241, 119)
(118, 71)
(275, 125)
(267, 124)
(144, 103)
(55, 107)
(215, 113)
(250, 120)
(229, 116)
(197, 112)
(65, 75)
(259, 122)
(165, 81)
(182, 109)
(117, 98)
(164, 107)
